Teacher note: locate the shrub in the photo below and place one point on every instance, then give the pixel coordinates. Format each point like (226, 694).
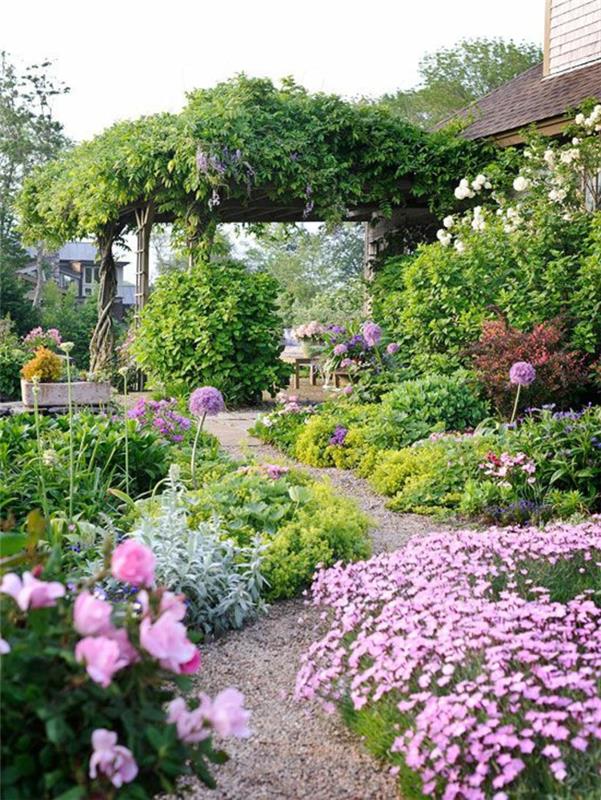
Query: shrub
(301, 523)
(46, 366)
(81, 674)
(314, 444)
(216, 324)
(468, 660)
(560, 372)
(12, 358)
(281, 428)
(75, 320)
(416, 408)
(223, 581)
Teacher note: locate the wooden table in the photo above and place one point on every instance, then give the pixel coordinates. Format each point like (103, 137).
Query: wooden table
(302, 361)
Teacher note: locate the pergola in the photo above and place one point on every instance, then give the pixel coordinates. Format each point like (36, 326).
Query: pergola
(243, 152)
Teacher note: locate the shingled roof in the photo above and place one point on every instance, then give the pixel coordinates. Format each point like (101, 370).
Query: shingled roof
(529, 98)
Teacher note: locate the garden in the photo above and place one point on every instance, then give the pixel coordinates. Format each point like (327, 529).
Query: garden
(467, 658)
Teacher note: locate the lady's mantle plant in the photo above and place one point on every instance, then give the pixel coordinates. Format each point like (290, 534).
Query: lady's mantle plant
(88, 693)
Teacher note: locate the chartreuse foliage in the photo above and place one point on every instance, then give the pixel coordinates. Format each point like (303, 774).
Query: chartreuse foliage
(240, 136)
(217, 325)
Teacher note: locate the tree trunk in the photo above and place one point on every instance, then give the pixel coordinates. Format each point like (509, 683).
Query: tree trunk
(103, 339)
(40, 277)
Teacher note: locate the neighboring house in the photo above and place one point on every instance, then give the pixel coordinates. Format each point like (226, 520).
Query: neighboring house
(75, 265)
(541, 96)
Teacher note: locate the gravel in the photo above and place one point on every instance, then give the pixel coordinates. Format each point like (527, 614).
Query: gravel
(296, 751)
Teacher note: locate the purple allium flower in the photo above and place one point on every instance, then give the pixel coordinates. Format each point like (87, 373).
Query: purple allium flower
(206, 400)
(393, 348)
(339, 435)
(372, 333)
(522, 373)
(340, 349)
(275, 471)
(346, 363)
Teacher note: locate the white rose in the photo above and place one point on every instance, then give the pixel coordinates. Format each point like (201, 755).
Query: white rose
(444, 237)
(520, 184)
(459, 246)
(449, 221)
(579, 119)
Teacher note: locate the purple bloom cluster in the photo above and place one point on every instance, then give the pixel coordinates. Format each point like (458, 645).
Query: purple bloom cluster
(372, 333)
(490, 671)
(522, 373)
(339, 435)
(161, 416)
(206, 400)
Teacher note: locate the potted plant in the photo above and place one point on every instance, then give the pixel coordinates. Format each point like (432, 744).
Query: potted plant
(310, 337)
(42, 382)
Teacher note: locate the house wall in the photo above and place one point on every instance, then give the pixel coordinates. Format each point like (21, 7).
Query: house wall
(572, 34)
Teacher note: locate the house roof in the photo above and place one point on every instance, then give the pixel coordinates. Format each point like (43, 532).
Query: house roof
(530, 98)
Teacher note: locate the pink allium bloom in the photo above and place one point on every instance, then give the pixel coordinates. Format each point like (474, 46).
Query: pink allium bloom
(167, 641)
(5, 648)
(91, 615)
(228, 715)
(29, 592)
(275, 471)
(393, 348)
(111, 759)
(206, 400)
(102, 657)
(522, 373)
(133, 562)
(340, 349)
(372, 333)
(348, 390)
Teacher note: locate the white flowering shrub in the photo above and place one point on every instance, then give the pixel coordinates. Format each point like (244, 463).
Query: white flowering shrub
(221, 579)
(528, 247)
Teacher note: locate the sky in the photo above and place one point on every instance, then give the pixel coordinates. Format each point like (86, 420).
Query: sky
(124, 58)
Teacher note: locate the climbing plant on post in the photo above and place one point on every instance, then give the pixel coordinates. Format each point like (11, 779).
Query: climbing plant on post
(102, 342)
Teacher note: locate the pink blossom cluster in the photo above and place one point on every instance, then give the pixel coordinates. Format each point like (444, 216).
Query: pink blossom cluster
(38, 337)
(225, 715)
(502, 468)
(492, 673)
(310, 330)
(291, 405)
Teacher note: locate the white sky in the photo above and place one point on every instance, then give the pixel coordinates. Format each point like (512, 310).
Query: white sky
(123, 58)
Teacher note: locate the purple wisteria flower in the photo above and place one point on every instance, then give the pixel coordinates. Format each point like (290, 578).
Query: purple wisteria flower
(206, 400)
(522, 373)
(339, 435)
(340, 349)
(393, 348)
(372, 333)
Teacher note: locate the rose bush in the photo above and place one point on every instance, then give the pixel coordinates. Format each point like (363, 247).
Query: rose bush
(90, 691)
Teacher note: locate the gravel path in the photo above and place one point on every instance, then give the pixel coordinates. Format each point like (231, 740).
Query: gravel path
(296, 752)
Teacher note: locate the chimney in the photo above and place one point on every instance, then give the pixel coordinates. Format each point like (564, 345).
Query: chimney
(572, 35)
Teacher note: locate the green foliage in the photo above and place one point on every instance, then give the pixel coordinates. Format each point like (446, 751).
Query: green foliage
(244, 135)
(416, 408)
(99, 464)
(301, 523)
(12, 358)
(452, 77)
(216, 325)
(75, 321)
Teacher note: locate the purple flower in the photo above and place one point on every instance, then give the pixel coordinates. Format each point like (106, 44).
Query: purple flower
(206, 400)
(339, 435)
(522, 373)
(340, 349)
(393, 348)
(372, 333)
(348, 390)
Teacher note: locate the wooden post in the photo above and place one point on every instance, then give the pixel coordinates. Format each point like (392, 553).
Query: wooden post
(144, 220)
(102, 342)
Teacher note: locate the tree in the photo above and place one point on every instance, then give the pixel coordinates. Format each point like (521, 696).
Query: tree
(453, 77)
(311, 268)
(29, 135)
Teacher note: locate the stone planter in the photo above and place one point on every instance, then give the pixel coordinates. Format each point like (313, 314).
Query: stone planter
(84, 393)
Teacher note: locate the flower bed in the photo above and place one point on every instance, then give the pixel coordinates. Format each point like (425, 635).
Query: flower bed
(471, 660)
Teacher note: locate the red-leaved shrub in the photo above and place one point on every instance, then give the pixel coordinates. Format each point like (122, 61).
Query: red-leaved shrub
(560, 372)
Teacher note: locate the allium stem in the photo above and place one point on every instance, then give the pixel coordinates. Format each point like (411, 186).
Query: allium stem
(515, 405)
(38, 434)
(195, 445)
(71, 441)
(126, 422)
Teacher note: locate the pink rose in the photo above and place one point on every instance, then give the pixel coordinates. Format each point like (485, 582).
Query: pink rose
(133, 563)
(167, 641)
(91, 615)
(174, 604)
(228, 715)
(102, 657)
(111, 759)
(192, 726)
(29, 592)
